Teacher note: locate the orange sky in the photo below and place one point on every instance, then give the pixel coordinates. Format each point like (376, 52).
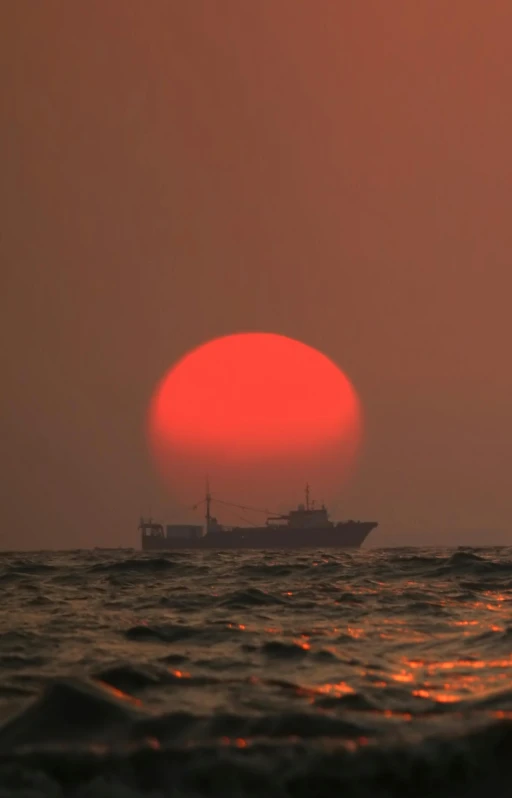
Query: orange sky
(336, 172)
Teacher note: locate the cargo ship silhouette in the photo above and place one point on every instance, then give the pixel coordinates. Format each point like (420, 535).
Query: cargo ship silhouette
(308, 526)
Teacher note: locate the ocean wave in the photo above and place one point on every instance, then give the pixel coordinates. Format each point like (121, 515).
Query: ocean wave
(135, 565)
(170, 633)
(469, 765)
(252, 597)
(275, 648)
(371, 673)
(30, 566)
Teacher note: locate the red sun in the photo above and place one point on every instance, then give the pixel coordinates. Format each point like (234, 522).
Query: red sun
(261, 415)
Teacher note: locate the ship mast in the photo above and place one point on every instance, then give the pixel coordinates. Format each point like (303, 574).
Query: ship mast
(307, 496)
(208, 502)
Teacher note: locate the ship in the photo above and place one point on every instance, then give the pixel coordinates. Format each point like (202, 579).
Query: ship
(308, 526)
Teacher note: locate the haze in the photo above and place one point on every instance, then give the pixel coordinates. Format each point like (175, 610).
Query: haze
(336, 172)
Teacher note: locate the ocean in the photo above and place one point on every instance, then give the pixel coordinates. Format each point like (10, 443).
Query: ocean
(375, 673)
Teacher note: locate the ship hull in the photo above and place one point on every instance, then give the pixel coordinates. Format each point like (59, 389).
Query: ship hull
(345, 535)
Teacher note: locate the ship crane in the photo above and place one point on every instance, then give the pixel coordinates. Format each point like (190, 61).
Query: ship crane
(209, 498)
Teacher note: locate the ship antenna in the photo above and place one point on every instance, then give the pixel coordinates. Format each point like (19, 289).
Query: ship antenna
(307, 496)
(208, 501)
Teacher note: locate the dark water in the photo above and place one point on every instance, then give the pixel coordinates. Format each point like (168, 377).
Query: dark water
(375, 673)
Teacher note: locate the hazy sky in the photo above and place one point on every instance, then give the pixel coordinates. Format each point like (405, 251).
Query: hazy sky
(339, 172)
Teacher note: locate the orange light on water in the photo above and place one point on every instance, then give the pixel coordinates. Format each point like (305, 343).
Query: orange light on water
(450, 665)
(337, 689)
(461, 678)
(355, 633)
(120, 695)
(446, 698)
(499, 597)
(402, 677)
(239, 742)
(181, 674)
(439, 697)
(153, 743)
(391, 713)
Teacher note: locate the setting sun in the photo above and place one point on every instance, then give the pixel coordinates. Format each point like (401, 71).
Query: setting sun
(260, 413)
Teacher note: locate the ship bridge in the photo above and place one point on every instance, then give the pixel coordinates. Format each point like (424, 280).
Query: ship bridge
(309, 518)
(302, 518)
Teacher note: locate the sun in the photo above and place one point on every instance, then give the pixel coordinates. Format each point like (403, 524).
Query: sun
(260, 414)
